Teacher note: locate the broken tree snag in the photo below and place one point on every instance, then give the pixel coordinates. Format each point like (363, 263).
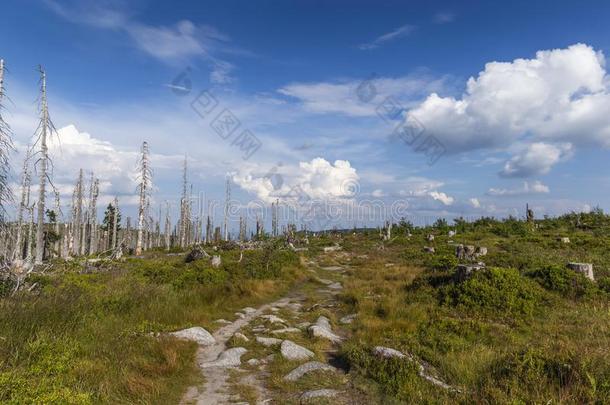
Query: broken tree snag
(145, 176)
(585, 269)
(45, 127)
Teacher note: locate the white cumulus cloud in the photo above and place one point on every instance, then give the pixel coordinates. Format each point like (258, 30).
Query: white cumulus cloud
(317, 179)
(536, 159)
(560, 95)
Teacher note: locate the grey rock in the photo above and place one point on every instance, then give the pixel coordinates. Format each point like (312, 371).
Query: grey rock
(387, 352)
(464, 271)
(323, 393)
(429, 249)
(292, 351)
(430, 238)
(228, 358)
(585, 268)
(248, 310)
(216, 261)
(322, 329)
(222, 321)
(335, 248)
(241, 336)
(273, 318)
(335, 286)
(195, 334)
(480, 251)
(267, 342)
(306, 368)
(564, 240)
(285, 330)
(348, 319)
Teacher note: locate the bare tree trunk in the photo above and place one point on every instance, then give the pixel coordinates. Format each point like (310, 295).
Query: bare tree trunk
(227, 209)
(26, 181)
(45, 127)
(115, 224)
(167, 227)
(145, 178)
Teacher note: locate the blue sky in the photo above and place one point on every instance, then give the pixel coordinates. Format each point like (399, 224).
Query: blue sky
(514, 92)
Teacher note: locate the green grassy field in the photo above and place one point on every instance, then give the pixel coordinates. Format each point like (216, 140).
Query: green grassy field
(526, 330)
(86, 338)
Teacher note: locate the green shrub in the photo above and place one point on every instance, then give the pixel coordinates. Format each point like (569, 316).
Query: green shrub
(494, 290)
(565, 281)
(604, 284)
(398, 377)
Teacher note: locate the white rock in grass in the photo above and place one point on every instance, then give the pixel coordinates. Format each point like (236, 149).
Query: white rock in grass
(335, 286)
(195, 334)
(348, 319)
(387, 352)
(267, 342)
(585, 268)
(228, 358)
(292, 351)
(222, 321)
(308, 367)
(323, 393)
(248, 310)
(322, 329)
(286, 330)
(273, 318)
(216, 261)
(241, 336)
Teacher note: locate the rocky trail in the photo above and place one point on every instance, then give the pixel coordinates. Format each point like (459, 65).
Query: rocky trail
(238, 360)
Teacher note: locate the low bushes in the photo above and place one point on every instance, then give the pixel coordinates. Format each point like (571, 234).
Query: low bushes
(495, 291)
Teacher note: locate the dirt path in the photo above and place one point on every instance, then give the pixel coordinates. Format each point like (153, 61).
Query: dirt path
(217, 375)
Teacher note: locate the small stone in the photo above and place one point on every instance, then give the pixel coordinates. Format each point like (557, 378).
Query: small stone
(348, 319)
(216, 261)
(222, 321)
(585, 268)
(254, 362)
(451, 234)
(564, 240)
(268, 342)
(241, 336)
(335, 286)
(335, 248)
(273, 319)
(429, 249)
(292, 351)
(240, 315)
(323, 393)
(228, 358)
(464, 271)
(248, 310)
(285, 330)
(306, 368)
(195, 334)
(322, 329)
(387, 352)
(430, 238)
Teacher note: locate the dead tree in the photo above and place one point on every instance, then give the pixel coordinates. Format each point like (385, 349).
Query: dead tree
(6, 146)
(167, 227)
(94, 191)
(45, 129)
(145, 177)
(227, 209)
(77, 214)
(183, 206)
(26, 180)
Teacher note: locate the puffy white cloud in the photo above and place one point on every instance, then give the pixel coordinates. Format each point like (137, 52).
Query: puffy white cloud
(534, 188)
(475, 202)
(561, 94)
(442, 197)
(317, 180)
(536, 159)
(378, 193)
